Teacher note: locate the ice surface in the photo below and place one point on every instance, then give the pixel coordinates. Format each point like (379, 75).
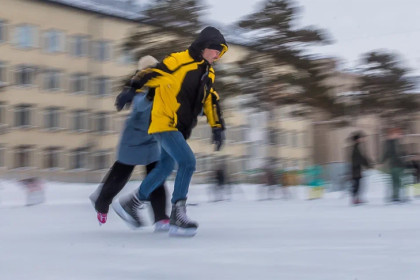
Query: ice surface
(245, 238)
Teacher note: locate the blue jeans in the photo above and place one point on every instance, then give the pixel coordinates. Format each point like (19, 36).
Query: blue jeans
(174, 148)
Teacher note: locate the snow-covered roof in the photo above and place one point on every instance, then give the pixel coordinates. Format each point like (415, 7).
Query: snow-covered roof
(126, 9)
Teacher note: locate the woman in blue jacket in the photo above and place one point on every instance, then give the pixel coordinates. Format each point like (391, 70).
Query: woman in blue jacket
(136, 147)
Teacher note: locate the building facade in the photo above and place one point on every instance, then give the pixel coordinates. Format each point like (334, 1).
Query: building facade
(59, 67)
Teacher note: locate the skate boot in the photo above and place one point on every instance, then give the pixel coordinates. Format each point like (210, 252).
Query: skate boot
(102, 217)
(180, 225)
(128, 209)
(162, 225)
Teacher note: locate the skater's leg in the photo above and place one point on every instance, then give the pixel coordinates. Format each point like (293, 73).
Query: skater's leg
(113, 183)
(158, 198)
(174, 144)
(157, 176)
(355, 187)
(396, 183)
(174, 148)
(355, 190)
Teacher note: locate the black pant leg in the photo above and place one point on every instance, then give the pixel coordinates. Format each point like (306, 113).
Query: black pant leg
(158, 198)
(356, 186)
(113, 183)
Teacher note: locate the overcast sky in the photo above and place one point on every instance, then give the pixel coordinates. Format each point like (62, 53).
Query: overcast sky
(357, 26)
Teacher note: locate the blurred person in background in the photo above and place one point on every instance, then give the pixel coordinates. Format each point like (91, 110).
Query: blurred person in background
(220, 182)
(183, 84)
(136, 147)
(393, 154)
(358, 161)
(270, 181)
(34, 189)
(415, 164)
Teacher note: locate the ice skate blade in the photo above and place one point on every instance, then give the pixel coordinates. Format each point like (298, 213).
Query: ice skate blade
(159, 227)
(92, 200)
(175, 231)
(131, 223)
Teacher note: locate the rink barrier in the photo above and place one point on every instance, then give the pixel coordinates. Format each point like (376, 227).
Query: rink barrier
(315, 192)
(415, 189)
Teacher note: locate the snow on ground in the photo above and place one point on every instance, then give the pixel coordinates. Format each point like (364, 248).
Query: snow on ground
(245, 238)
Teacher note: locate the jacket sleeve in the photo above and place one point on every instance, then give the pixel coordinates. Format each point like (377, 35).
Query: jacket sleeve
(143, 77)
(213, 111)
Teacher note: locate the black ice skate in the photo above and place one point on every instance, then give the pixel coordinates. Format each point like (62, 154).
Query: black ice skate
(180, 225)
(128, 208)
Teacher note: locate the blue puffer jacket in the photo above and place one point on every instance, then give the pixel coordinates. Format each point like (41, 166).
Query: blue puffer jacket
(136, 146)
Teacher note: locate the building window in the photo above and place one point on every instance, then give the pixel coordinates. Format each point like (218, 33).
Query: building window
(79, 83)
(294, 139)
(289, 139)
(52, 118)
(79, 45)
(54, 41)
(25, 75)
(305, 139)
(2, 155)
(272, 136)
(101, 160)
(101, 122)
(52, 157)
(102, 86)
(78, 158)
(26, 36)
(80, 120)
(2, 30)
(23, 115)
(23, 156)
(2, 113)
(3, 125)
(282, 138)
(101, 50)
(52, 79)
(236, 134)
(126, 57)
(2, 74)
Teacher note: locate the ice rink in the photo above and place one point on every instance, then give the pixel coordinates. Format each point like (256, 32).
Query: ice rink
(245, 238)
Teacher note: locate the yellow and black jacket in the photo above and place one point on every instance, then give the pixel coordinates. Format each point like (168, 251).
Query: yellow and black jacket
(183, 88)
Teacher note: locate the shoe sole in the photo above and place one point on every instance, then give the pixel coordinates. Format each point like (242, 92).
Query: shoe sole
(182, 232)
(124, 215)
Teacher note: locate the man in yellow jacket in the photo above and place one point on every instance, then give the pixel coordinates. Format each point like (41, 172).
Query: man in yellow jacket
(183, 89)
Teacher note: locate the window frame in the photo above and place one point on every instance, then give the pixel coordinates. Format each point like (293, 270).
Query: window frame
(25, 111)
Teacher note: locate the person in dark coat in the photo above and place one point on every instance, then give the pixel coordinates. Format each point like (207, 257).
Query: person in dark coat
(136, 147)
(220, 181)
(393, 154)
(415, 164)
(358, 161)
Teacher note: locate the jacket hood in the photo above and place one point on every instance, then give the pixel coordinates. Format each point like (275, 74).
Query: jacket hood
(209, 36)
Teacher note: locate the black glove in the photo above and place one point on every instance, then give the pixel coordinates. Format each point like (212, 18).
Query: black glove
(218, 137)
(125, 97)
